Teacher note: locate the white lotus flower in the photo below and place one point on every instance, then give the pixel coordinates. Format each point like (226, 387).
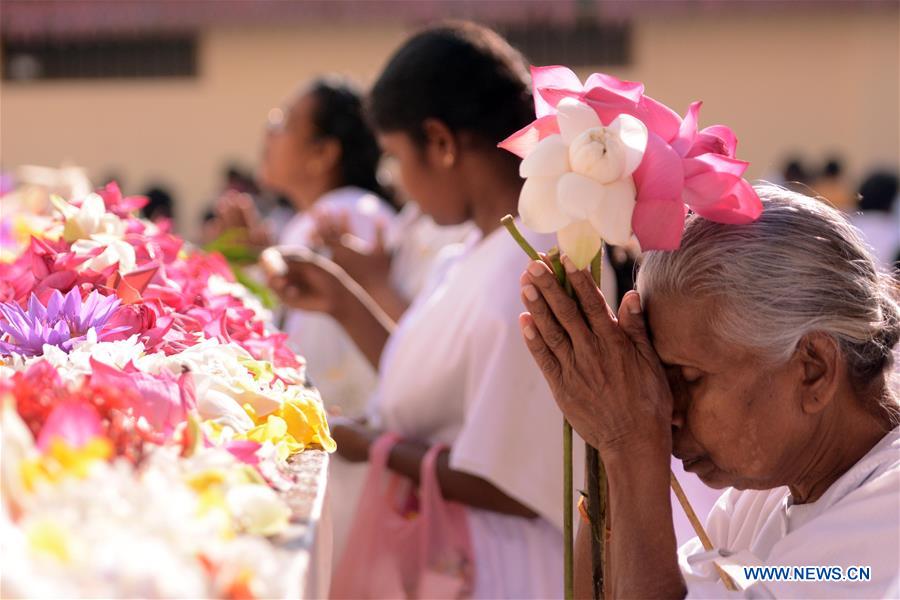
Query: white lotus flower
(578, 183)
(89, 219)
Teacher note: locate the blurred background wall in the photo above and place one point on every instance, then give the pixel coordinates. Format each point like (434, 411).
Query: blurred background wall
(171, 92)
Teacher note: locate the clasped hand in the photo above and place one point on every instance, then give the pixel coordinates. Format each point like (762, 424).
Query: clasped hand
(603, 371)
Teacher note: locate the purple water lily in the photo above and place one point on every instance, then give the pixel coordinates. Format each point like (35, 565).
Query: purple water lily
(64, 321)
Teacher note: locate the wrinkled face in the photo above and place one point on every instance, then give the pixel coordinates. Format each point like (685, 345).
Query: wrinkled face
(434, 187)
(737, 420)
(290, 151)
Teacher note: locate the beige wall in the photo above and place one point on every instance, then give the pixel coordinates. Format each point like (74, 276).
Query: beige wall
(786, 82)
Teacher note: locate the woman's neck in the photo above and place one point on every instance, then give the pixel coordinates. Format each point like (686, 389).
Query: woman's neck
(838, 445)
(304, 196)
(492, 195)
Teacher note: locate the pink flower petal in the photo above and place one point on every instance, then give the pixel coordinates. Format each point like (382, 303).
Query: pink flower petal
(659, 224)
(741, 205)
(157, 398)
(522, 142)
(73, 422)
(660, 175)
(717, 162)
(688, 130)
(659, 118)
(632, 90)
(551, 77)
(244, 451)
(717, 139)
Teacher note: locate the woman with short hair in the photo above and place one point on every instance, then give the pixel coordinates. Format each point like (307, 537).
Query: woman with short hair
(761, 356)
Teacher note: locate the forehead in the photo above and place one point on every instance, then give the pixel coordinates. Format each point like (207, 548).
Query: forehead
(682, 331)
(298, 111)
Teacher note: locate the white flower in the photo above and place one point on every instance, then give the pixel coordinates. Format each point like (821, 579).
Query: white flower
(258, 508)
(579, 183)
(77, 362)
(222, 381)
(89, 219)
(115, 250)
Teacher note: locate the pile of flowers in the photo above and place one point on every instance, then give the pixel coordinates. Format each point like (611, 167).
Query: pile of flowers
(148, 411)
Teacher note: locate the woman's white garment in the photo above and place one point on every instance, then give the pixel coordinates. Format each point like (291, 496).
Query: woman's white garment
(415, 241)
(856, 522)
(457, 372)
(335, 365)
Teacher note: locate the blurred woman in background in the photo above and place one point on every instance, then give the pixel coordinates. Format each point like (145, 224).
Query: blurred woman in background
(321, 154)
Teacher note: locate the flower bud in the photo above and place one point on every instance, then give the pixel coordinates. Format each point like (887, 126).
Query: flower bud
(598, 154)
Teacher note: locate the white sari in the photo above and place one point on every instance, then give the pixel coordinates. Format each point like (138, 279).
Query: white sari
(855, 523)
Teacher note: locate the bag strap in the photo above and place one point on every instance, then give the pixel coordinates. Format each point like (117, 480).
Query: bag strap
(429, 486)
(380, 450)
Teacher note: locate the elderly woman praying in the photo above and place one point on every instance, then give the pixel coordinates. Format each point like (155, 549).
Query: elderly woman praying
(761, 356)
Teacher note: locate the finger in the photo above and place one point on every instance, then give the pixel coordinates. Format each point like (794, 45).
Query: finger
(593, 305)
(543, 319)
(633, 323)
(543, 356)
(380, 236)
(277, 282)
(564, 308)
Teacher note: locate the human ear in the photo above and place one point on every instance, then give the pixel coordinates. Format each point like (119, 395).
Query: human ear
(441, 147)
(819, 360)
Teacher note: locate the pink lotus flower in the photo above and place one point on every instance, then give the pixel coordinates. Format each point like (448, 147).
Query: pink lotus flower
(682, 168)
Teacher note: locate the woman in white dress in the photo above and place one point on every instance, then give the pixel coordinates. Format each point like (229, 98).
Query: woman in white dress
(454, 370)
(769, 374)
(321, 154)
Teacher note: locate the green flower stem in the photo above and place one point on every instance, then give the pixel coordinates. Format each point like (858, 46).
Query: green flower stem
(596, 484)
(568, 516)
(510, 225)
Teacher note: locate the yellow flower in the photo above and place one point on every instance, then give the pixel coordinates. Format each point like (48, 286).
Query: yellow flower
(306, 422)
(63, 460)
(296, 425)
(47, 537)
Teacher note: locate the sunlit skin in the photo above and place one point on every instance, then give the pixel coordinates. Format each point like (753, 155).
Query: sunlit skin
(741, 421)
(654, 379)
(295, 162)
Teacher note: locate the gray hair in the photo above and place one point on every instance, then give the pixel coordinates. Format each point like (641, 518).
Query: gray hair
(801, 267)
